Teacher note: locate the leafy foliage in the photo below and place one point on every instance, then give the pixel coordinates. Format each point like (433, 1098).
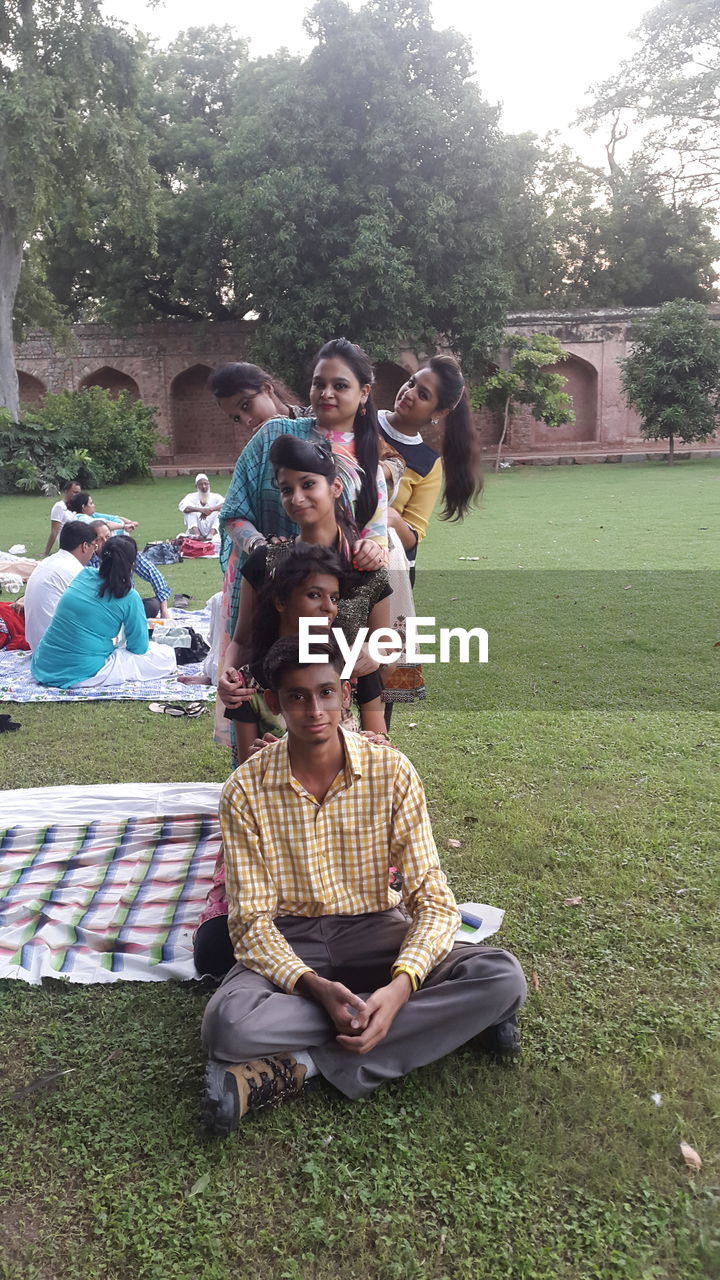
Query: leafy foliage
(77, 435)
(672, 375)
(357, 191)
(527, 380)
(670, 90)
(578, 237)
(365, 189)
(69, 125)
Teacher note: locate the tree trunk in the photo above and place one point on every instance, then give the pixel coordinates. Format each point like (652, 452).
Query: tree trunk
(506, 419)
(671, 454)
(11, 251)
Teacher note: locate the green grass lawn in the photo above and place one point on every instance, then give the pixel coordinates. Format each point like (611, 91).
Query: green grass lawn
(582, 762)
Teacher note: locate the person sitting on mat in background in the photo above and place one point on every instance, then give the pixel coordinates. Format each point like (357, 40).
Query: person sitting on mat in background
(60, 513)
(79, 644)
(46, 584)
(82, 505)
(331, 976)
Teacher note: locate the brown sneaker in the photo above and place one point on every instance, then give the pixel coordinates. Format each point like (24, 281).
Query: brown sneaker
(232, 1091)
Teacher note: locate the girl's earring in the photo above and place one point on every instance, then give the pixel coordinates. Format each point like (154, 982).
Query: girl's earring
(363, 410)
(434, 422)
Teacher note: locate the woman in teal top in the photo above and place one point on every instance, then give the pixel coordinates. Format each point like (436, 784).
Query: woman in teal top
(79, 645)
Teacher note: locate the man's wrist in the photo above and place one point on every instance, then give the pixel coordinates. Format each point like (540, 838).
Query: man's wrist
(403, 984)
(310, 984)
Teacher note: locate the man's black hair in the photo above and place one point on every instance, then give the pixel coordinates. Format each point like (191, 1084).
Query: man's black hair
(285, 656)
(74, 533)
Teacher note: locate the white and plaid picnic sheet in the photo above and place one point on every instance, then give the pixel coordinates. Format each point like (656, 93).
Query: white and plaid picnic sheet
(99, 884)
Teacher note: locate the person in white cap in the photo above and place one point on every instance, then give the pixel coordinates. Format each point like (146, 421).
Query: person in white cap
(201, 509)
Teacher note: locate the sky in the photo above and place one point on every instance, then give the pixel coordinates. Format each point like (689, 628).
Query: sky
(538, 60)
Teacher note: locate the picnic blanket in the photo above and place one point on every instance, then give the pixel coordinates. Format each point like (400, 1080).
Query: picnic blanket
(104, 883)
(17, 684)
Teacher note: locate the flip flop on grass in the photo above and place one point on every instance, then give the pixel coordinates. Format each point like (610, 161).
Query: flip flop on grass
(178, 708)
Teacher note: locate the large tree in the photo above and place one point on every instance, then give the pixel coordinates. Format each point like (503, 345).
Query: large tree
(357, 191)
(577, 237)
(68, 91)
(187, 96)
(379, 214)
(668, 92)
(672, 375)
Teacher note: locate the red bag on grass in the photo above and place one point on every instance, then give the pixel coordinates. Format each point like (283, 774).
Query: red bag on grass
(193, 548)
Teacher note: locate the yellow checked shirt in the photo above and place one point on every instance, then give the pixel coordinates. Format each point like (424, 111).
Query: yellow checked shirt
(285, 854)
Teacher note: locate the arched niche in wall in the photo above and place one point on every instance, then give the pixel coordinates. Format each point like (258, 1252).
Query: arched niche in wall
(112, 380)
(31, 389)
(198, 425)
(389, 378)
(581, 384)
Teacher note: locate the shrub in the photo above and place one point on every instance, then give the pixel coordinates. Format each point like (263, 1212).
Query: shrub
(77, 435)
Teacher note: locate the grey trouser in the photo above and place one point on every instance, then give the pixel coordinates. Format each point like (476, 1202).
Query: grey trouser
(473, 988)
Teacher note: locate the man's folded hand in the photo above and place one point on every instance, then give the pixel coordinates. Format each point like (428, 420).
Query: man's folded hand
(346, 1010)
(381, 1010)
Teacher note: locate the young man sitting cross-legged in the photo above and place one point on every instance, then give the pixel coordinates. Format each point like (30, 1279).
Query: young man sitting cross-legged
(331, 975)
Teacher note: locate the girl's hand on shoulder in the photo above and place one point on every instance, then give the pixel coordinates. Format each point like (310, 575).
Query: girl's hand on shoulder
(258, 744)
(377, 739)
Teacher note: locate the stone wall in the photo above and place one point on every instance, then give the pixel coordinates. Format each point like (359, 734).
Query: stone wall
(596, 341)
(167, 365)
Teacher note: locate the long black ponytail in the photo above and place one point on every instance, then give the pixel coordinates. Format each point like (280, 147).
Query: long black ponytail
(116, 566)
(463, 481)
(366, 427)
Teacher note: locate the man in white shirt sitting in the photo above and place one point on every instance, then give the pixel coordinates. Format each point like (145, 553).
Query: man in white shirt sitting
(60, 514)
(53, 575)
(201, 510)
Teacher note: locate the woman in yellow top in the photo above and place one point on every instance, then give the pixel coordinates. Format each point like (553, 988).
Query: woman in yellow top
(436, 393)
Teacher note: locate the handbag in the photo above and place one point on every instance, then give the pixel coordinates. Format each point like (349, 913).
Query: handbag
(194, 548)
(194, 652)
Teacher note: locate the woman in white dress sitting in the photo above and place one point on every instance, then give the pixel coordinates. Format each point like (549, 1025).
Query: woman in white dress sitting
(201, 510)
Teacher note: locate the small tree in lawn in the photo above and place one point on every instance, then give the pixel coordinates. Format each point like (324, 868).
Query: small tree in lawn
(672, 375)
(528, 380)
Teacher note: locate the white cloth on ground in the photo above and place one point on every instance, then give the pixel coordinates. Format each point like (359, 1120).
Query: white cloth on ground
(157, 664)
(44, 588)
(210, 665)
